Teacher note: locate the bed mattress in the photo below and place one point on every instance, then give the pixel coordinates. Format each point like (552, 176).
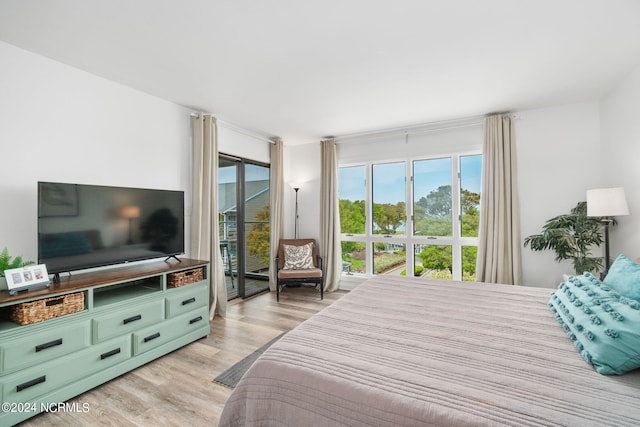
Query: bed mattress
(409, 352)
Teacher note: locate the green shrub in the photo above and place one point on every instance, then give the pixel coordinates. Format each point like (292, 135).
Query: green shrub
(384, 261)
(441, 274)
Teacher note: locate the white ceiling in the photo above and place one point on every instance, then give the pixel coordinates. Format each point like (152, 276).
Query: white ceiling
(304, 69)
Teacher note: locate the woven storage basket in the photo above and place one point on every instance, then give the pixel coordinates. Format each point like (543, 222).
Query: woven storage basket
(47, 308)
(175, 280)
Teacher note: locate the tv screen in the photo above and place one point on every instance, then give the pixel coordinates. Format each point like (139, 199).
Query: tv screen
(85, 226)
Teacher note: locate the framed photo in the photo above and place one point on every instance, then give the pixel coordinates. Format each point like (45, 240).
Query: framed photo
(32, 276)
(58, 199)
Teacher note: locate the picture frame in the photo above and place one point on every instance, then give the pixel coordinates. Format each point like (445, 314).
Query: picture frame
(58, 200)
(32, 276)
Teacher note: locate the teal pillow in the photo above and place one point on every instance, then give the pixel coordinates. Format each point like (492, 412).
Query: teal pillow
(602, 324)
(624, 277)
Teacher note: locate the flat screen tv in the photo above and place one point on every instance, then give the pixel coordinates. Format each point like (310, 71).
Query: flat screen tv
(85, 226)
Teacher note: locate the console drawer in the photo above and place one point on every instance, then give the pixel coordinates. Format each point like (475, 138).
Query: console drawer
(104, 355)
(33, 382)
(43, 346)
(154, 336)
(127, 320)
(185, 299)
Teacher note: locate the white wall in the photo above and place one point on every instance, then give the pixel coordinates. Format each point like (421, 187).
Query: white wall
(558, 152)
(302, 165)
(620, 118)
(58, 123)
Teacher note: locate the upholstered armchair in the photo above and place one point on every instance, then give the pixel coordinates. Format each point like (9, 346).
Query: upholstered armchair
(298, 262)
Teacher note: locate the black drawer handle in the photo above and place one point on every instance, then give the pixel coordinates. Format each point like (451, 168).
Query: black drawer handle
(152, 337)
(49, 344)
(188, 301)
(31, 383)
(132, 319)
(194, 320)
(110, 353)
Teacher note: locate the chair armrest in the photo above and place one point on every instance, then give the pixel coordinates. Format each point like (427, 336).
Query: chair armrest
(319, 261)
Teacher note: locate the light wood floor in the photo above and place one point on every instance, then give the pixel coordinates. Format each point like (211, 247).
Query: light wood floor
(178, 389)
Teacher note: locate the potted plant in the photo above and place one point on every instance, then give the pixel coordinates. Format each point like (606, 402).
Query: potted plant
(572, 237)
(6, 263)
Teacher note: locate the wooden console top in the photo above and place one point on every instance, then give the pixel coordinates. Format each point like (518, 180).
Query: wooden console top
(82, 280)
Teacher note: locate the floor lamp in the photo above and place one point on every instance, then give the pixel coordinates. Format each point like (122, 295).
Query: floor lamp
(606, 203)
(130, 213)
(296, 187)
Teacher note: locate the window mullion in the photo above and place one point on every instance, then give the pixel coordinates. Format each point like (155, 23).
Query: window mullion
(456, 252)
(369, 220)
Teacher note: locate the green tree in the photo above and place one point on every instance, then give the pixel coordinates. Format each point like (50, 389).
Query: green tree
(433, 213)
(437, 257)
(352, 216)
(469, 255)
(470, 204)
(258, 238)
(438, 202)
(470, 201)
(389, 217)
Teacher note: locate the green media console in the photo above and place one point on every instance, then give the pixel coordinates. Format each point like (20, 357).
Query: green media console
(132, 315)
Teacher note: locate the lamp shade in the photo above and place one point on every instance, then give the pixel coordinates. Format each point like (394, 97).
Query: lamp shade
(607, 202)
(130, 212)
(296, 185)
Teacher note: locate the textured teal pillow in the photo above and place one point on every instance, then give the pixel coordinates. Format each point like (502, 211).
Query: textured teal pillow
(604, 325)
(624, 277)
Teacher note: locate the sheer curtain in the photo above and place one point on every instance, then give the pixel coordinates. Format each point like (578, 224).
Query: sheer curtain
(330, 248)
(276, 203)
(499, 241)
(205, 240)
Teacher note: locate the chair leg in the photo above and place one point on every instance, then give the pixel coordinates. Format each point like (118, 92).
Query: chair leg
(277, 291)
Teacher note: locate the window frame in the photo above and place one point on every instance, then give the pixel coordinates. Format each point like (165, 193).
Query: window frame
(409, 239)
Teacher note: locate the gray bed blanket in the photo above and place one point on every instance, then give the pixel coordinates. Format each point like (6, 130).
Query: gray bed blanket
(412, 352)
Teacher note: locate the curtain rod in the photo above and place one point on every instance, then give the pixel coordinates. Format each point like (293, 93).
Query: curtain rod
(419, 128)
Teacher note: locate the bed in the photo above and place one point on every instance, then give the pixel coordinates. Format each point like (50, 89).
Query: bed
(408, 351)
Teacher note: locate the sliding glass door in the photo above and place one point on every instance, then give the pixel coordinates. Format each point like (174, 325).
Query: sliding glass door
(243, 214)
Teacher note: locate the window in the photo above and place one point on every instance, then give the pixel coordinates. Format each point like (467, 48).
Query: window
(438, 228)
(352, 188)
(432, 201)
(389, 195)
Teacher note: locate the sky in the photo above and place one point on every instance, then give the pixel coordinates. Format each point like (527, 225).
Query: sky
(388, 178)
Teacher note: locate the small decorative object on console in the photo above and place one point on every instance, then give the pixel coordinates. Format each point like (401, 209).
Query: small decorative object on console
(20, 279)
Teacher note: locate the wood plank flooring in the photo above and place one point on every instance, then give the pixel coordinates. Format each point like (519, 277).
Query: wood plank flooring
(178, 389)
